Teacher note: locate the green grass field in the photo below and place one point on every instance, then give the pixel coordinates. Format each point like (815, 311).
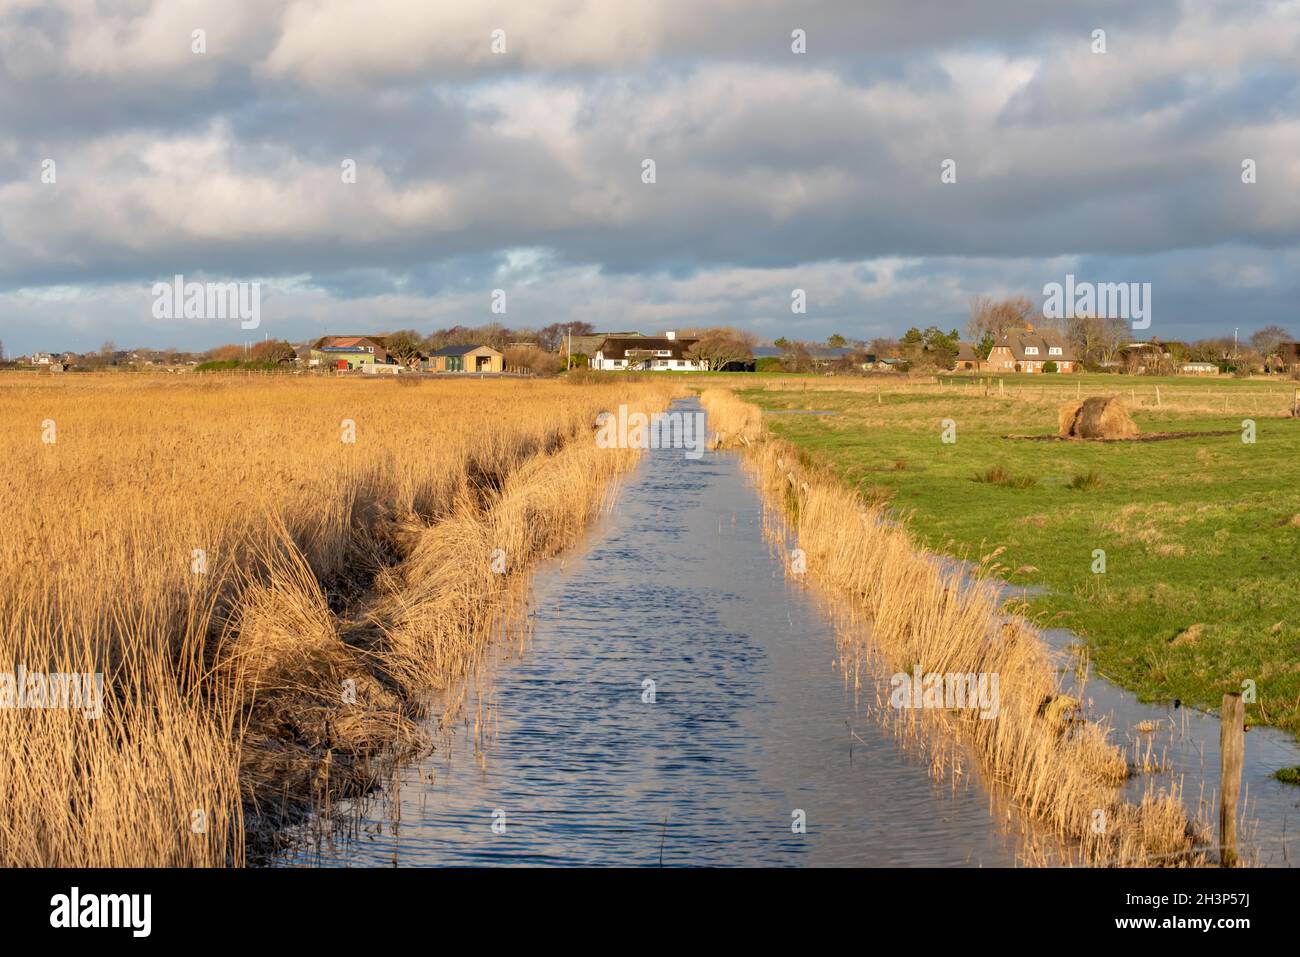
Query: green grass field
(1201, 535)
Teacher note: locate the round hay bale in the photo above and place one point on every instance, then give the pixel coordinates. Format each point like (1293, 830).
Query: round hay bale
(1103, 417)
(1065, 418)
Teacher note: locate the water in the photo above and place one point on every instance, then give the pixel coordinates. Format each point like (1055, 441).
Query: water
(751, 719)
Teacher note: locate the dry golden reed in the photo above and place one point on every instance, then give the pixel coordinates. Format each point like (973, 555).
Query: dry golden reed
(235, 569)
(1061, 771)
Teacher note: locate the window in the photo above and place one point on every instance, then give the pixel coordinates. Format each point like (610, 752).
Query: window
(455, 364)
(1054, 350)
(1031, 350)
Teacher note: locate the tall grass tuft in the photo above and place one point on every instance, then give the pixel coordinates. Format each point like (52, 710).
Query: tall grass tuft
(1087, 481)
(998, 475)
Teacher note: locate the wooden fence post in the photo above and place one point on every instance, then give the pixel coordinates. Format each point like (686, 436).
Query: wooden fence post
(1232, 740)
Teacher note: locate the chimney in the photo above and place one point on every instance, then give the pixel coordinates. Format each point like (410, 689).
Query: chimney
(670, 335)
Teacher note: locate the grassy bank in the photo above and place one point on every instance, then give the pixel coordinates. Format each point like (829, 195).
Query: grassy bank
(273, 575)
(1201, 535)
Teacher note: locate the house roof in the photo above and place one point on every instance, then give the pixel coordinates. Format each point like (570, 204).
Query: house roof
(830, 352)
(966, 352)
(348, 341)
(459, 350)
(589, 344)
(1155, 347)
(1018, 340)
(618, 346)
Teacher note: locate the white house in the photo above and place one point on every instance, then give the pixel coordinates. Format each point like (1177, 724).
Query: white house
(664, 353)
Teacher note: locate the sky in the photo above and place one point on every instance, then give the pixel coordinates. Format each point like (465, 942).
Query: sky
(515, 161)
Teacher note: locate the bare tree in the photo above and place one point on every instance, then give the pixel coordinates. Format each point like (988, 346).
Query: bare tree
(535, 360)
(1211, 350)
(996, 317)
(273, 350)
(1111, 335)
(1266, 340)
(1096, 339)
(883, 347)
(551, 338)
(795, 357)
(405, 345)
(719, 347)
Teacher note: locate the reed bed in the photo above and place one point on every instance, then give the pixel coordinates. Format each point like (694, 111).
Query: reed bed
(1060, 770)
(272, 606)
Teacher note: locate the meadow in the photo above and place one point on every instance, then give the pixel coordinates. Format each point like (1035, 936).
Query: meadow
(1200, 535)
(276, 577)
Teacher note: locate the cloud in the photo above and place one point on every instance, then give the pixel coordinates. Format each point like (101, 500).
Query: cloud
(769, 164)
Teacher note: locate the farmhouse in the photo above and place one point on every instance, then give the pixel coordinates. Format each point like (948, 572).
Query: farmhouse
(968, 359)
(651, 353)
(350, 352)
(1029, 350)
(1145, 358)
(467, 359)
